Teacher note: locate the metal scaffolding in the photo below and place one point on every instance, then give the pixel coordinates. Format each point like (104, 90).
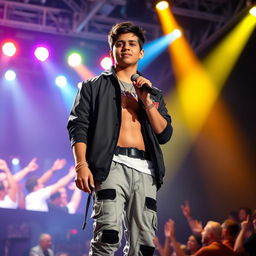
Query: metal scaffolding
(91, 19)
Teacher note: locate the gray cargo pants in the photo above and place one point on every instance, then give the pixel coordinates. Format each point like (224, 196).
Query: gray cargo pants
(130, 196)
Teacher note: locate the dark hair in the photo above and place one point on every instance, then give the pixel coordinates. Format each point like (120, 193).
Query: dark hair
(198, 238)
(254, 214)
(31, 183)
(234, 215)
(123, 28)
(232, 227)
(246, 209)
(55, 195)
(2, 186)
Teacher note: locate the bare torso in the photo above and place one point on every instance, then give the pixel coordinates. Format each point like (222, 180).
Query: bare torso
(130, 131)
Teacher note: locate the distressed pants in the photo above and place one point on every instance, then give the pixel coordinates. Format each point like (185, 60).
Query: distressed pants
(129, 196)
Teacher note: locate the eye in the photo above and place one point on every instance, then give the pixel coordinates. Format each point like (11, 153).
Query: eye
(118, 44)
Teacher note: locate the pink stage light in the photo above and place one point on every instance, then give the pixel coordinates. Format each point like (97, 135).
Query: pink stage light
(106, 63)
(9, 49)
(41, 53)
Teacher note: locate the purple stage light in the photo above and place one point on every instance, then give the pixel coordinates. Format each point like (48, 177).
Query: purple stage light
(41, 53)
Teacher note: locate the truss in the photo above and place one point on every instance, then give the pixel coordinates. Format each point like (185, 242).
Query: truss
(91, 19)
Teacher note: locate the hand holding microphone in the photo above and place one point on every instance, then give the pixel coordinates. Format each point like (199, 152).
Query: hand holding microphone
(146, 87)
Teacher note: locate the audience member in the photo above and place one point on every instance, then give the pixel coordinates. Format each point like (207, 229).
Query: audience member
(211, 239)
(44, 246)
(8, 190)
(59, 203)
(243, 213)
(38, 194)
(195, 225)
(244, 244)
(230, 230)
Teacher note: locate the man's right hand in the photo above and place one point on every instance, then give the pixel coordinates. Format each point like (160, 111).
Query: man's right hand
(84, 179)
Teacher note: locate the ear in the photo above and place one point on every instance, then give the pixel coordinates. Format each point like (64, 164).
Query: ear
(141, 54)
(111, 54)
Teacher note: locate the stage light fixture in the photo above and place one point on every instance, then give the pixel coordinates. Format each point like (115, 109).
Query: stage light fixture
(41, 53)
(74, 59)
(9, 49)
(10, 75)
(177, 33)
(162, 5)
(15, 161)
(253, 11)
(61, 81)
(106, 63)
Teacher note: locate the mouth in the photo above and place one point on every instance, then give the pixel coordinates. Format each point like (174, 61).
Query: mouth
(126, 55)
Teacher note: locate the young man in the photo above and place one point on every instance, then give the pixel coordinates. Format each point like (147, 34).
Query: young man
(115, 128)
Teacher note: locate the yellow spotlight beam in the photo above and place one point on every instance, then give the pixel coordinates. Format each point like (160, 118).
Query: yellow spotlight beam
(220, 62)
(196, 91)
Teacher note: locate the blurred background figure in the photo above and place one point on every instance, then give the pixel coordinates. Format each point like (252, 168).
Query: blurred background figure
(243, 243)
(59, 200)
(8, 188)
(38, 194)
(44, 246)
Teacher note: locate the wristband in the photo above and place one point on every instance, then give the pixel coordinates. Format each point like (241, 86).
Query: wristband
(147, 107)
(80, 165)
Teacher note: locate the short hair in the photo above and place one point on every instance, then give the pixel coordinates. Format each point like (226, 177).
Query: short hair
(215, 228)
(55, 195)
(31, 183)
(123, 28)
(232, 227)
(43, 235)
(246, 209)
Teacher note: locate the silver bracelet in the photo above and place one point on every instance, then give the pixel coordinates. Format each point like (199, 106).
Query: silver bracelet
(149, 106)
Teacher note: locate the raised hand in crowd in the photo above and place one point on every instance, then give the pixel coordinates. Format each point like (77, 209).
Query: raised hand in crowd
(8, 189)
(239, 243)
(195, 225)
(57, 165)
(3, 165)
(169, 230)
(31, 167)
(186, 210)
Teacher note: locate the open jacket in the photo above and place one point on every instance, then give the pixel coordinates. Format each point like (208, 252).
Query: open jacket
(95, 119)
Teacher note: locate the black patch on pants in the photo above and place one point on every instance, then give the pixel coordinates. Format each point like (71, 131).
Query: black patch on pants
(106, 194)
(109, 236)
(150, 203)
(147, 250)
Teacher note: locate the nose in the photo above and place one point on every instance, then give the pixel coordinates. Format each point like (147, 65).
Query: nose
(126, 46)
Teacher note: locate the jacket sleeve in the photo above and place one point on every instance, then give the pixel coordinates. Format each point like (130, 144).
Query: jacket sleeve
(166, 134)
(78, 122)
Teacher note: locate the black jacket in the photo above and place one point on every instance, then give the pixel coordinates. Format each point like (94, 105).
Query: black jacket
(95, 119)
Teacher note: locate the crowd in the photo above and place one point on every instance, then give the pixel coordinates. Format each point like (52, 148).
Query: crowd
(235, 236)
(38, 196)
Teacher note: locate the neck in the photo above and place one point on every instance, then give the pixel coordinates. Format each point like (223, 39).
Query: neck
(125, 74)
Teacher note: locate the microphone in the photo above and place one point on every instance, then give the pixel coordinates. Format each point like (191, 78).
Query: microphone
(152, 90)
